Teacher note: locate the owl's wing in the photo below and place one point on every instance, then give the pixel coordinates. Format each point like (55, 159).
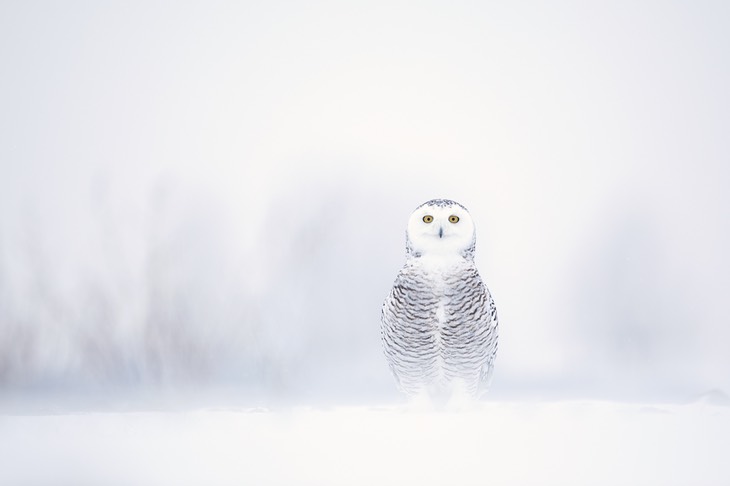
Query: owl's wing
(490, 324)
(406, 318)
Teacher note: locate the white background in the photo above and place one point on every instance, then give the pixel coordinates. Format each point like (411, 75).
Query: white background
(215, 193)
(203, 206)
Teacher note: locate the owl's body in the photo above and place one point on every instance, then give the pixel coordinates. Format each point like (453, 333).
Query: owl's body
(439, 322)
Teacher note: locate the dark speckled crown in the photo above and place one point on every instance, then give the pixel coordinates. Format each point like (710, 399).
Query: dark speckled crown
(442, 203)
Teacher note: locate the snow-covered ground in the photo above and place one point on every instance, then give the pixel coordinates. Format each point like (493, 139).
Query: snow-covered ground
(499, 443)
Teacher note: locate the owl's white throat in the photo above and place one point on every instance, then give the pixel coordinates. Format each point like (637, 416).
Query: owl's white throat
(438, 262)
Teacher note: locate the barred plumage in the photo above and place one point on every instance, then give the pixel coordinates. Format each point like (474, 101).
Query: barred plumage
(439, 322)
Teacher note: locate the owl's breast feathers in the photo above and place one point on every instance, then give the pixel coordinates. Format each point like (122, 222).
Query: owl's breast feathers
(439, 326)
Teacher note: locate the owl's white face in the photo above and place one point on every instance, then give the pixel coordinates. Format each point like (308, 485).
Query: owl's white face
(441, 229)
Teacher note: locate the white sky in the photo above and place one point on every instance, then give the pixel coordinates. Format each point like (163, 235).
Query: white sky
(275, 151)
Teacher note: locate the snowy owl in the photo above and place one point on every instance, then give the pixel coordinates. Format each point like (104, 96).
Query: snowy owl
(439, 322)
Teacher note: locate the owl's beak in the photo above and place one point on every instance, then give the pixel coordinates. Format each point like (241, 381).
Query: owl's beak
(441, 231)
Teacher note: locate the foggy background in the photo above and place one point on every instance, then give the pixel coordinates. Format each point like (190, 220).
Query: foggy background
(214, 195)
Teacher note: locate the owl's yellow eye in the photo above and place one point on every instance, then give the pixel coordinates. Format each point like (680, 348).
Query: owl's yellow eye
(428, 218)
(453, 219)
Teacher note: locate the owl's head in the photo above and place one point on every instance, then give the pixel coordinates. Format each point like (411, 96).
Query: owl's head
(440, 227)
